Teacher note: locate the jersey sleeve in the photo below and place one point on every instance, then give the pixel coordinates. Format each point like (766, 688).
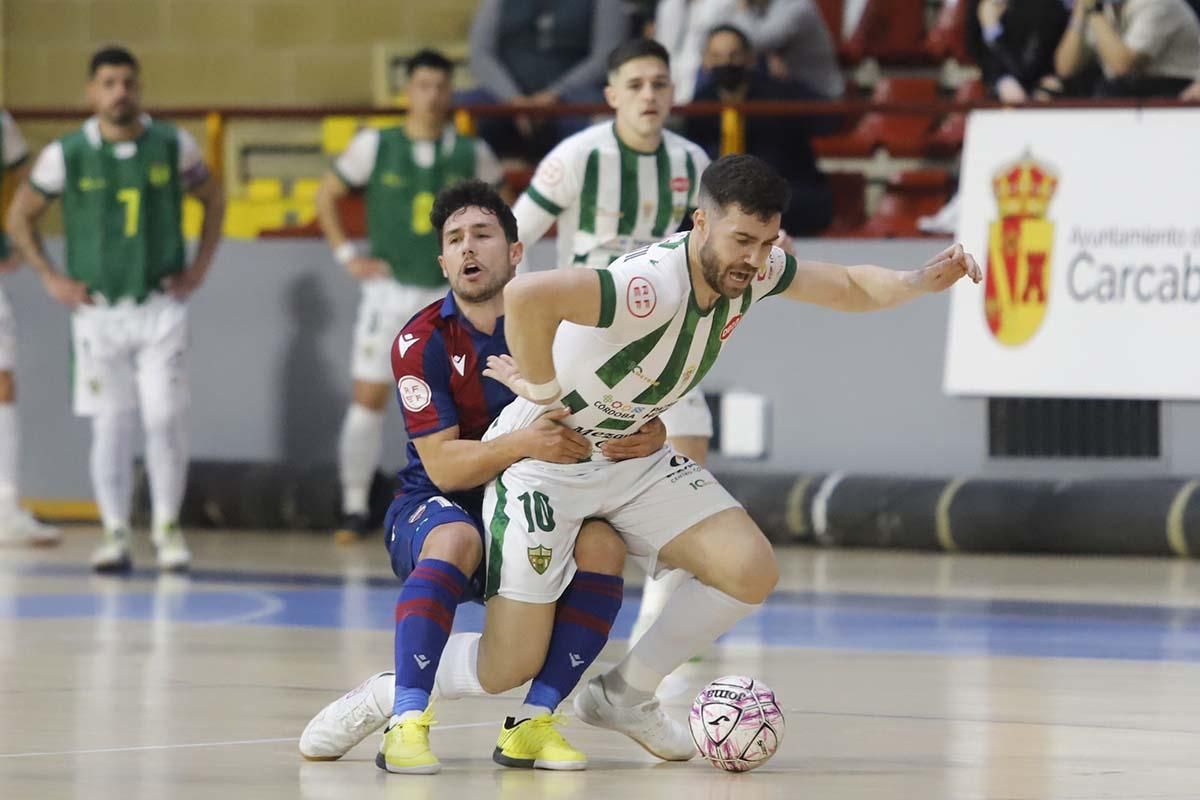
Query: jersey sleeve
(636, 296)
(422, 372)
(355, 165)
(555, 186)
(699, 161)
(487, 166)
(192, 169)
(16, 150)
(49, 174)
(776, 277)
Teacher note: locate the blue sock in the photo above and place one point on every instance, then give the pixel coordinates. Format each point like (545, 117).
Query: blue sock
(585, 616)
(424, 616)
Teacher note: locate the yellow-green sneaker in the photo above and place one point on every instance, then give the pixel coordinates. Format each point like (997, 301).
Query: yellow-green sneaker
(536, 744)
(405, 747)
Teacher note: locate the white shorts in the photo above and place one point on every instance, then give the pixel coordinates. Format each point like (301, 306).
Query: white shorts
(532, 513)
(8, 335)
(126, 354)
(689, 416)
(386, 307)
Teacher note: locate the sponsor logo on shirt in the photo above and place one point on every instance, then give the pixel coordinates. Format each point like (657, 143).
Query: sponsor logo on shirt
(680, 184)
(160, 174)
(727, 331)
(459, 362)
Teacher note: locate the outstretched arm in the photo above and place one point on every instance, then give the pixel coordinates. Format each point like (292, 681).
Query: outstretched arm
(871, 288)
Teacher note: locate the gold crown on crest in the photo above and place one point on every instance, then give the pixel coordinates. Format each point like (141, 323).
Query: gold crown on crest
(1024, 188)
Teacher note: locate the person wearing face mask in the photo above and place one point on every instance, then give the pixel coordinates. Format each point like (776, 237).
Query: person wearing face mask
(730, 76)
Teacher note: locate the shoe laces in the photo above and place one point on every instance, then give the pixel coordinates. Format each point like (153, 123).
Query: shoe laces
(545, 726)
(415, 729)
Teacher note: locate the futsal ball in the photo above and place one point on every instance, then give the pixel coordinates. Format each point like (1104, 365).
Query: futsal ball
(736, 723)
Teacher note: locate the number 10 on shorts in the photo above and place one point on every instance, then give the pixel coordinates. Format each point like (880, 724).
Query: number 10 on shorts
(537, 511)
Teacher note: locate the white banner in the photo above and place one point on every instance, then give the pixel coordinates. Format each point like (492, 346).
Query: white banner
(1087, 224)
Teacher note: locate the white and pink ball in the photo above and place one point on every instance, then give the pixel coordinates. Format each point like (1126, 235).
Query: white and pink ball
(737, 723)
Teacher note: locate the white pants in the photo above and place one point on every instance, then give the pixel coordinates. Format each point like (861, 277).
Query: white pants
(386, 307)
(8, 335)
(532, 513)
(128, 353)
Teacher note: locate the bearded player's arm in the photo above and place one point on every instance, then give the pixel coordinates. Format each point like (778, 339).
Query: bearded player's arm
(865, 287)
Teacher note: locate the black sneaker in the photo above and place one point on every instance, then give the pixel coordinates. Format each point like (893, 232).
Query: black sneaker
(354, 528)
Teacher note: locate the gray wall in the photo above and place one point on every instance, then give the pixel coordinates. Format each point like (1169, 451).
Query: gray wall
(271, 335)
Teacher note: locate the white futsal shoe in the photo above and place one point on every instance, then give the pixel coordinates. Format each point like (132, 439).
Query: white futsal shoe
(345, 722)
(173, 553)
(113, 553)
(646, 723)
(19, 527)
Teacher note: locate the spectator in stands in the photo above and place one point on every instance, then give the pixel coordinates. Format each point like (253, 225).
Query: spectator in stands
(790, 35)
(1144, 48)
(537, 53)
(1013, 41)
(783, 142)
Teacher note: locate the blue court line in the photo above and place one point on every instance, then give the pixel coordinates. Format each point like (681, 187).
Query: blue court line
(840, 621)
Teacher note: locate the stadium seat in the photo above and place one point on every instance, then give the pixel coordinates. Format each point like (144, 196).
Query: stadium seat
(947, 139)
(901, 134)
(889, 31)
(849, 203)
(948, 36)
(304, 190)
(909, 196)
(261, 190)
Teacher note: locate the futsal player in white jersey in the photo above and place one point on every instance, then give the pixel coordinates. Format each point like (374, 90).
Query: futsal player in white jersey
(16, 525)
(613, 188)
(619, 346)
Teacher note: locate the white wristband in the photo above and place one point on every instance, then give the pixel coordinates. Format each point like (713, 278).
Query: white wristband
(541, 392)
(345, 253)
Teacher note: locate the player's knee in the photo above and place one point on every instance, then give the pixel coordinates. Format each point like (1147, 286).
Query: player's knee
(517, 669)
(457, 544)
(8, 387)
(751, 572)
(600, 549)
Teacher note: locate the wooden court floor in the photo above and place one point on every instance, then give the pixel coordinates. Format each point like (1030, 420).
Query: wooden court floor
(902, 676)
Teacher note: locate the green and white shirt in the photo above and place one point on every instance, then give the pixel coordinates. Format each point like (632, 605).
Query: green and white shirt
(13, 152)
(652, 346)
(607, 198)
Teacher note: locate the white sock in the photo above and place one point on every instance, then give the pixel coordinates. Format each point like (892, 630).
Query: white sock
(655, 593)
(9, 454)
(527, 711)
(359, 450)
(166, 467)
(111, 464)
(693, 618)
(458, 671)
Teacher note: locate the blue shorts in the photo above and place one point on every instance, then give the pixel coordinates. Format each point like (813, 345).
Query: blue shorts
(409, 520)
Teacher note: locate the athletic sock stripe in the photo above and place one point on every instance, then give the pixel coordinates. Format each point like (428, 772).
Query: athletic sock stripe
(448, 582)
(573, 616)
(426, 608)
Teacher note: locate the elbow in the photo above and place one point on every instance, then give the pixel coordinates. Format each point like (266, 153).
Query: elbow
(445, 480)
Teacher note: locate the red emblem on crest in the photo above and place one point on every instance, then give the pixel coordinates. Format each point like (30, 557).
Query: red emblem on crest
(641, 297)
(680, 184)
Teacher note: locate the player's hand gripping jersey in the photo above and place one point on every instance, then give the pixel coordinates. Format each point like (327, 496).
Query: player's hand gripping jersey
(652, 346)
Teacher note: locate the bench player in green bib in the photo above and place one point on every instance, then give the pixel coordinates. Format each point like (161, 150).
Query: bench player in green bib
(122, 179)
(400, 170)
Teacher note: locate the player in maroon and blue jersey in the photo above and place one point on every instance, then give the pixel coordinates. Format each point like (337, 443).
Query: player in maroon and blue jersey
(433, 529)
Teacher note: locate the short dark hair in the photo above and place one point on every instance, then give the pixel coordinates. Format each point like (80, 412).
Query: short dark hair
(747, 182)
(465, 194)
(429, 58)
(112, 56)
(736, 31)
(637, 48)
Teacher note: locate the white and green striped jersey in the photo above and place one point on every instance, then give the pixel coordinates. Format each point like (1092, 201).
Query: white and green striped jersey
(653, 343)
(607, 198)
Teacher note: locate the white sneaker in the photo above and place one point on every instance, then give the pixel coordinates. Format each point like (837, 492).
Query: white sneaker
(646, 723)
(348, 720)
(173, 553)
(19, 527)
(113, 553)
